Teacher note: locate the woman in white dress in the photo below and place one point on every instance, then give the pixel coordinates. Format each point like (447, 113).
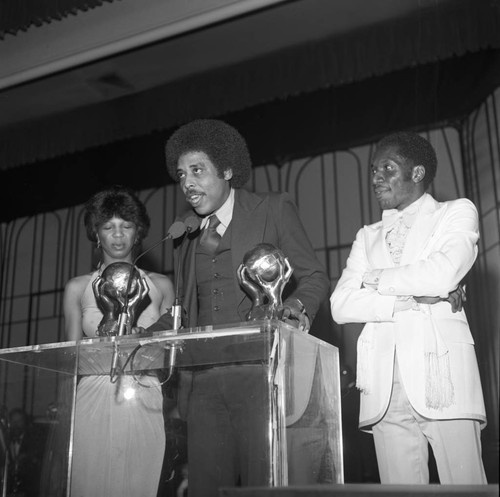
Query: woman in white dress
(119, 442)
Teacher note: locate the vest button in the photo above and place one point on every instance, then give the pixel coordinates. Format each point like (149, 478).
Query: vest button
(214, 260)
(216, 308)
(215, 291)
(216, 275)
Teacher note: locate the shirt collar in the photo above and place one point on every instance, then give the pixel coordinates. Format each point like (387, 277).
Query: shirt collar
(224, 213)
(408, 214)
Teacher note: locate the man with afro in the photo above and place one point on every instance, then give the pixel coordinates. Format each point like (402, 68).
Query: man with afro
(210, 161)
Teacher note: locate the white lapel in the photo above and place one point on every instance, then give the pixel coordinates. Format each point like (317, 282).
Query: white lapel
(376, 248)
(423, 229)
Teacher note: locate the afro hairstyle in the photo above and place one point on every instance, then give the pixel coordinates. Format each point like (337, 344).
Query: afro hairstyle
(222, 143)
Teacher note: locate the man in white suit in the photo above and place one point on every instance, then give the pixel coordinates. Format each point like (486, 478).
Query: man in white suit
(416, 366)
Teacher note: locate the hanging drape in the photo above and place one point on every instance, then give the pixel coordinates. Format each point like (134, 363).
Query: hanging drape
(450, 29)
(19, 15)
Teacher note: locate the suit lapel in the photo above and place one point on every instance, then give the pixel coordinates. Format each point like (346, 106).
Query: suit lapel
(376, 248)
(189, 279)
(423, 229)
(247, 229)
(187, 276)
(419, 237)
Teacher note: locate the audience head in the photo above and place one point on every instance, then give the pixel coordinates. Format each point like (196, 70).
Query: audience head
(18, 420)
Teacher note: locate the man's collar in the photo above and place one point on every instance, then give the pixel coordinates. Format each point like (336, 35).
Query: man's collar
(224, 212)
(408, 214)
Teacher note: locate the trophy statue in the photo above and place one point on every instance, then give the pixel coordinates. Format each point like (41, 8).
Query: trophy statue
(264, 273)
(118, 291)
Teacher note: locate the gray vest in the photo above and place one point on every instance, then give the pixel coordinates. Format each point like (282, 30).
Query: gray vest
(217, 303)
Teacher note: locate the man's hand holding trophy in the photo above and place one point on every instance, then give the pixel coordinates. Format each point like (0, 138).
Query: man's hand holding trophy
(263, 274)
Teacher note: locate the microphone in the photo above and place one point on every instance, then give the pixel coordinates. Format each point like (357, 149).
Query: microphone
(171, 360)
(177, 229)
(123, 319)
(114, 363)
(192, 223)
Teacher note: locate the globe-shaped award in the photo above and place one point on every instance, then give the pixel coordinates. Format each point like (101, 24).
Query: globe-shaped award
(264, 273)
(118, 291)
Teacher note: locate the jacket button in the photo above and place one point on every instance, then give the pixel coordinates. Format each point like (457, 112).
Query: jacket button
(216, 308)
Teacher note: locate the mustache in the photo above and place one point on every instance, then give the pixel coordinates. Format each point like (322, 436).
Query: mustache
(192, 191)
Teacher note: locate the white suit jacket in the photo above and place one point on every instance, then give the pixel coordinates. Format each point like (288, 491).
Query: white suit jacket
(440, 249)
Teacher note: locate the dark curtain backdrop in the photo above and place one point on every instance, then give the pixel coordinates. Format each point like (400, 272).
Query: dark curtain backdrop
(345, 116)
(443, 30)
(20, 15)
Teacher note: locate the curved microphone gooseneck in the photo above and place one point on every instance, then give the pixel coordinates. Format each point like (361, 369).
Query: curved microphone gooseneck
(177, 229)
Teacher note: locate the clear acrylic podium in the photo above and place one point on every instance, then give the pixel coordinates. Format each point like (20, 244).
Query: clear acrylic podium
(302, 408)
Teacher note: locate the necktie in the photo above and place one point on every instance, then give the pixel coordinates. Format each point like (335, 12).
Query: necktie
(210, 238)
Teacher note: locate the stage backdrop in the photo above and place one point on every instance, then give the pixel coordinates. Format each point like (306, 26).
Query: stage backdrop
(332, 190)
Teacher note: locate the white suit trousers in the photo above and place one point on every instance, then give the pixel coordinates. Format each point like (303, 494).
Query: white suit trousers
(401, 442)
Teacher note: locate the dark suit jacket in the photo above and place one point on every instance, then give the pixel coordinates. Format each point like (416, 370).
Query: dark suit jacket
(257, 218)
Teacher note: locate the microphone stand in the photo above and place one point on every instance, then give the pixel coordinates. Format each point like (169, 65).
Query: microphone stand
(192, 224)
(122, 324)
(177, 307)
(177, 321)
(177, 229)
